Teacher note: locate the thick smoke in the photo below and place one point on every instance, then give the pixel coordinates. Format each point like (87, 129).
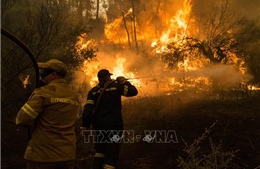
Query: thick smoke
(249, 8)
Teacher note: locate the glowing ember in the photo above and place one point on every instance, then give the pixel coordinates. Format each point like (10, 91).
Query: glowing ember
(25, 81)
(253, 87)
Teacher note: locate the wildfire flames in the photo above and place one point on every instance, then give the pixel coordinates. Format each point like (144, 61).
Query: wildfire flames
(176, 31)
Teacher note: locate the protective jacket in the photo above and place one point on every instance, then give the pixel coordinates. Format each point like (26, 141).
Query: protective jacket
(52, 110)
(108, 111)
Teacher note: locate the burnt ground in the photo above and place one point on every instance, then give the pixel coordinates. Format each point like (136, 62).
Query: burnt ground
(236, 131)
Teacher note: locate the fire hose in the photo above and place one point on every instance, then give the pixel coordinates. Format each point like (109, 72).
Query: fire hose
(27, 50)
(98, 101)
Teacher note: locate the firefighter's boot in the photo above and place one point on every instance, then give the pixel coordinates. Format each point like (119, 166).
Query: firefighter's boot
(98, 161)
(106, 166)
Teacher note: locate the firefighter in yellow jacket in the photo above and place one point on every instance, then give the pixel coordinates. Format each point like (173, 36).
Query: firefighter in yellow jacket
(52, 111)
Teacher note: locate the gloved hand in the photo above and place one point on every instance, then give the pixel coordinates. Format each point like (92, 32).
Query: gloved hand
(121, 79)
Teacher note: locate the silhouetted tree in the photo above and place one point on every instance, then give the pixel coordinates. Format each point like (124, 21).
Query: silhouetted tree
(45, 27)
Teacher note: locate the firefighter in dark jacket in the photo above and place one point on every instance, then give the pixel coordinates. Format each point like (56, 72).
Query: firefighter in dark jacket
(52, 111)
(103, 112)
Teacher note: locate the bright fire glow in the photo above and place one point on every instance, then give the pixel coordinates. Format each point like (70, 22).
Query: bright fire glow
(175, 30)
(119, 70)
(91, 69)
(114, 32)
(25, 80)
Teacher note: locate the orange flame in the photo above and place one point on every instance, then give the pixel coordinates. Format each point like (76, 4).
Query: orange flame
(118, 70)
(25, 80)
(176, 30)
(91, 69)
(113, 31)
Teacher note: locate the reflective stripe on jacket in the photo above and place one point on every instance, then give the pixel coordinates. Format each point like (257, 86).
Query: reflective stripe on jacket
(53, 111)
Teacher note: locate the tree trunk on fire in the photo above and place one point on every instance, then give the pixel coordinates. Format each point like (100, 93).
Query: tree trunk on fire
(127, 32)
(135, 37)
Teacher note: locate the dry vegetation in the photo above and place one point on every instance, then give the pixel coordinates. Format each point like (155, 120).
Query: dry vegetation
(235, 133)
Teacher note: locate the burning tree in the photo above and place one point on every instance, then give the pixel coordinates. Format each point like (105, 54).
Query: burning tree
(217, 28)
(208, 33)
(187, 36)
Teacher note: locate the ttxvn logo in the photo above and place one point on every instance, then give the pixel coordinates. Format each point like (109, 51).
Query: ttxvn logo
(129, 136)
